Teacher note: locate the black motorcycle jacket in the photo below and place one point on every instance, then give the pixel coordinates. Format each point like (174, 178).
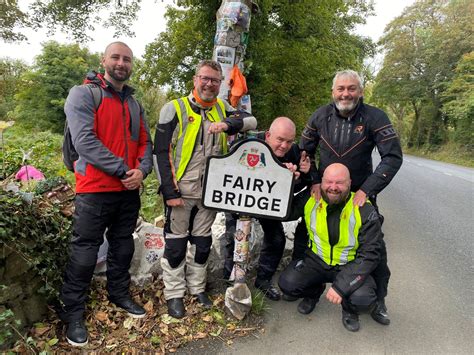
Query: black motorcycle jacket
(350, 141)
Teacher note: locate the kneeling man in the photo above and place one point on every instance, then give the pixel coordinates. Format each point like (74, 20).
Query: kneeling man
(344, 249)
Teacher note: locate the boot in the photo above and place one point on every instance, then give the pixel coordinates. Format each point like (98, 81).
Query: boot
(306, 306)
(203, 300)
(76, 334)
(350, 321)
(270, 291)
(175, 307)
(379, 313)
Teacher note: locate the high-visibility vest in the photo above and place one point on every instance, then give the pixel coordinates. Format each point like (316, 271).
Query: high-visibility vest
(315, 214)
(189, 124)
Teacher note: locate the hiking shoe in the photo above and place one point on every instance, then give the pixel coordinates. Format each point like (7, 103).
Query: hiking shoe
(76, 333)
(350, 321)
(379, 313)
(270, 291)
(133, 309)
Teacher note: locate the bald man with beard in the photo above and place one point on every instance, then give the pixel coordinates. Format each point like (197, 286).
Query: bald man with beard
(344, 249)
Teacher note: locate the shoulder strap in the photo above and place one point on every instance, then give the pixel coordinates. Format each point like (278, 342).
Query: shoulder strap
(96, 92)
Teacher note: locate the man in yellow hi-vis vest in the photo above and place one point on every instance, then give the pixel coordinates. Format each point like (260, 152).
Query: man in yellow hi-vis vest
(344, 249)
(189, 130)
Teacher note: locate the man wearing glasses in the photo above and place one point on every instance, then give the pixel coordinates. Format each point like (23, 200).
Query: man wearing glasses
(188, 131)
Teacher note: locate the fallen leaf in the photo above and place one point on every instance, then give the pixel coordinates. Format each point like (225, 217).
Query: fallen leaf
(101, 316)
(230, 342)
(164, 328)
(39, 331)
(216, 333)
(148, 306)
(155, 340)
(207, 318)
(158, 293)
(128, 323)
(53, 341)
(181, 331)
(200, 335)
(167, 319)
(132, 337)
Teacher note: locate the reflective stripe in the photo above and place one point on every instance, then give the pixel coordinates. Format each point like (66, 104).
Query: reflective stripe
(180, 109)
(343, 259)
(316, 239)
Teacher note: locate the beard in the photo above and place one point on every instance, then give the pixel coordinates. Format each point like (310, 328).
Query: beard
(122, 75)
(335, 198)
(345, 107)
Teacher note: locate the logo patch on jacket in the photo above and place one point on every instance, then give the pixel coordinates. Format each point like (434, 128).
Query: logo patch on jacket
(359, 129)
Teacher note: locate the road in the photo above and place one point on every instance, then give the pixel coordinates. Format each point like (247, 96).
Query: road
(428, 226)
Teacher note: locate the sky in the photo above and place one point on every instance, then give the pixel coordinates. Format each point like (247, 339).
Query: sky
(151, 22)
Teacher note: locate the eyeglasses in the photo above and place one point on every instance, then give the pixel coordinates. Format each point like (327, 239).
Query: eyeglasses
(206, 79)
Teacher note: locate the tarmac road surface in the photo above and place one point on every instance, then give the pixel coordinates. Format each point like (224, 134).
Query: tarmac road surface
(428, 228)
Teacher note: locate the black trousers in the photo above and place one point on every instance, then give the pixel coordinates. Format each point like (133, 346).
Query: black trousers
(305, 278)
(382, 273)
(116, 212)
(300, 243)
(272, 250)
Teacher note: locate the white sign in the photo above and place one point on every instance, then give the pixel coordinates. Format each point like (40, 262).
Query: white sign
(249, 180)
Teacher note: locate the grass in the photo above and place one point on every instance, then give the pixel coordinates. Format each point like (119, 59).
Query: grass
(449, 153)
(259, 303)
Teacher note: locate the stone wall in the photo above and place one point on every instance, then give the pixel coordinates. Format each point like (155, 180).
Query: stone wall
(19, 289)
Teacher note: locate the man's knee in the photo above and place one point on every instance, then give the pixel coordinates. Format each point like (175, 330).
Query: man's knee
(203, 248)
(175, 250)
(288, 281)
(364, 297)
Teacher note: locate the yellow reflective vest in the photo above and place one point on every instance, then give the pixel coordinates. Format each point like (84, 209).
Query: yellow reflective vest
(189, 124)
(315, 214)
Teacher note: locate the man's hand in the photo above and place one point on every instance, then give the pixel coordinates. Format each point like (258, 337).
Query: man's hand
(218, 127)
(305, 163)
(360, 198)
(333, 297)
(134, 178)
(175, 202)
(293, 168)
(316, 191)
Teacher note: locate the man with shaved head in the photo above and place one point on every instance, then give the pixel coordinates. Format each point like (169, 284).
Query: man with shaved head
(344, 249)
(109, 132)
(347, 131)
(280, 137)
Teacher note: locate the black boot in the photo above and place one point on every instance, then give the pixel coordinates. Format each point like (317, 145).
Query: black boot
(379, 313)
(175, 307)
(350, 321)
(306, 306)
(270, 291)
(76, 334)
(203, 300)
(133, 309)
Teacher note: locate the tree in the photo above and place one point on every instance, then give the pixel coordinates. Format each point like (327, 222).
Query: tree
(44, 88)
(422, 48)
(74, 17)
(459, 101)
(293, 51)
(10, 73)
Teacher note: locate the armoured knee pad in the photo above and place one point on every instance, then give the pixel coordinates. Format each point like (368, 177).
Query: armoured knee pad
(175, 250)
(203, 248)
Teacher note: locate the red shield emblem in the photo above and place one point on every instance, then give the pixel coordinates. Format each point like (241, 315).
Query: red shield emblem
(253, 159)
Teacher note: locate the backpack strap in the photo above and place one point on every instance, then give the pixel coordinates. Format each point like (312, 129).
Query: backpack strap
(96, 92)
